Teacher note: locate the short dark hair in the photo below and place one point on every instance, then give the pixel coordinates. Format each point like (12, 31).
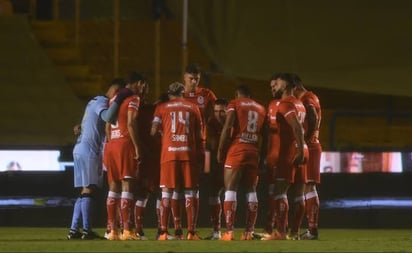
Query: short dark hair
(275, 76)
(118, 81)
(221, 101)
(244, 90)
(134, 76)
(296, 80)
(192, 69)
(291, 79)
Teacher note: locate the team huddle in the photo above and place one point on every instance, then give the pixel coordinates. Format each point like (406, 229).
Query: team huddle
(163, 148)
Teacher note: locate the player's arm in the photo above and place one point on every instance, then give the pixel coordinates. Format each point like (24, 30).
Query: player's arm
(200, 140)
(132, 127)
(210, 105)
(77, 129)
(155, 126)
(265, 144)
(224, 137)
(107, 130)
(200, 135)
(110, 114)
(312, 119)
(212, 141)
(297, 127)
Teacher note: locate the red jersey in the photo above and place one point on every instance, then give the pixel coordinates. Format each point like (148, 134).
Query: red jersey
(179, 120)
(289, 107)
(202, 97)
(247, 128)
(273, 133)
(309, 99)
(119, 130)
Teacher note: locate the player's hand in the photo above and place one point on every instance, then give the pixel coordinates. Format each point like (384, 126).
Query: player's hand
(299, 159)
(77, 129)
(137, 157)
(122, 94)
(219, 157)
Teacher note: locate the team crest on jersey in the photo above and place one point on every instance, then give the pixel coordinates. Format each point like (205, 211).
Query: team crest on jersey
(200, 100)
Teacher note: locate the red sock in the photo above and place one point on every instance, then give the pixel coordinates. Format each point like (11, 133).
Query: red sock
(126, 205)
(196, 206)
(298, 214)
(164, 213)
(251, 215)
(112, 206)
(312, 213)
(281, 209)
(190, 213)
(229, 207)
(158, 215)
(177, 213)
(270, 222)
(215, 214)
(138, 217)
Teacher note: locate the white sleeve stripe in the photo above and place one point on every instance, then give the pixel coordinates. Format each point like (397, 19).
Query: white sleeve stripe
(289, 112)
(157, 119)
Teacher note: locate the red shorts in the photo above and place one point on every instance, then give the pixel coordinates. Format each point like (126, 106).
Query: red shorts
(247, 161)
(286, 170)
(119, 160)
(179, 174)
(313, 168)
(270, 168)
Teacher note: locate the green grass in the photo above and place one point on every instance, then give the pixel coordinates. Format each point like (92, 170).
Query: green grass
(19, 239)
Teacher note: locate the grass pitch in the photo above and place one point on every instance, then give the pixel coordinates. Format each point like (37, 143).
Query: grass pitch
(23, 239)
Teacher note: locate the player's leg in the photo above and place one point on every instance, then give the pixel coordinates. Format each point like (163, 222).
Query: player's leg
(216, 186)
(298, 209)
(113, 207)
(87, 206)
(177, 205)
(190, 182)
(312, 211)
(167, 185)
(74, 232)
(139, 211)
(231, 179)
(127, 207)
(311, 194)
(250, 180)
(92, 180)
(215, 213)
(281, 208)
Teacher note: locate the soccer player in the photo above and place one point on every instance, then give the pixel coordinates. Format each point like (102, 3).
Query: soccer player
(183, 148)
(122, 158)
(311, 126)
(215, 180)
(270, 154)
(293, 155)
(87, 154)
(149, 168)
(204, 98)
(244, 120)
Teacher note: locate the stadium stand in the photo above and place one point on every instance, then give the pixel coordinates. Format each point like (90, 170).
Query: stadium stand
(6, 8)
(38, 106)
(67, 58)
